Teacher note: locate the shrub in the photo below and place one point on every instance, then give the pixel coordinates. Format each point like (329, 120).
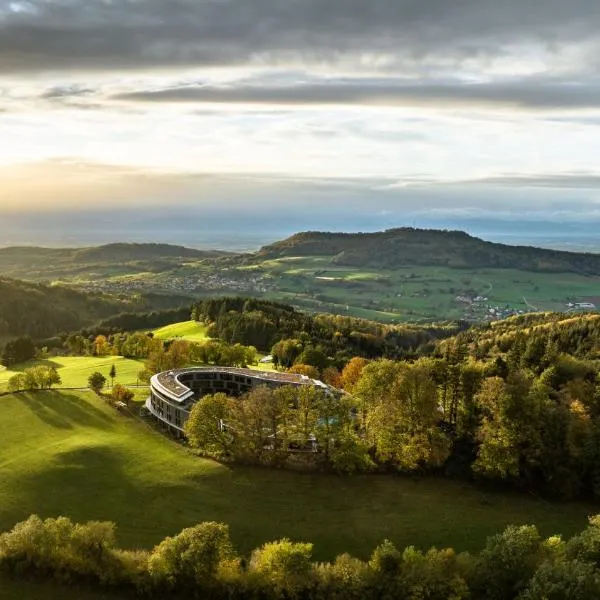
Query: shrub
(120, 393)
(193, 559)
(284, 565)
(507, 563)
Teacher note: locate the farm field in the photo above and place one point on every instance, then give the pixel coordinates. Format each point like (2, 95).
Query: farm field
(69, 453)
(75, 370)
(421, 293)
(187, 330)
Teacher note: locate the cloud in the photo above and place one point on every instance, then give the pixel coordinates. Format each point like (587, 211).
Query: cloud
(66, 91)
(585, 181)
(530, 93)
(550, 181)
(71, 35)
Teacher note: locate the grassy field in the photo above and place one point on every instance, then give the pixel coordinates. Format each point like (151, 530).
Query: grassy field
(75, 370)
(188, 330)
(416, 293)
(68, 453)
(23, 590)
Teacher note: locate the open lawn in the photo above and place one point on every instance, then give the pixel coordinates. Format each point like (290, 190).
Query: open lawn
(188, 330)
(75, 370)
(68, 453)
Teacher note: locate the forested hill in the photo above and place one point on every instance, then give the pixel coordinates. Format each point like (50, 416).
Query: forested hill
(407, 246)
(42, 311)
(31, 262)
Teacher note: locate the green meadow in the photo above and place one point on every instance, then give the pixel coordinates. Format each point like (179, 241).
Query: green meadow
(188, 330)
(68, 453)
(420, 292)
(75, 370)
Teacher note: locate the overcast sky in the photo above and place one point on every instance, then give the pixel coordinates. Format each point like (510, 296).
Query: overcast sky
(397, 108)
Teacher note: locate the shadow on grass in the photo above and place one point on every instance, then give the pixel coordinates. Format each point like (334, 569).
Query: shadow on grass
(65, 411)
(46, 362)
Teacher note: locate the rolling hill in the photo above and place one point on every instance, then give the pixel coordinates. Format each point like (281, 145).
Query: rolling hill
(427, 247)
(24, 262)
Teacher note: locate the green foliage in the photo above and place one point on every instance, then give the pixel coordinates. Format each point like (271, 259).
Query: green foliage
(192, 559)
(265, 425)
(201, 562)
(36, 378)
(507, 563)
(63, 550)
(41, 311)
(205, 429)
(285, 566)
(96, 382)
(313, 357)
(570, 580)
(408, 246)
(287, 333)
(16, 351)
(400, 414)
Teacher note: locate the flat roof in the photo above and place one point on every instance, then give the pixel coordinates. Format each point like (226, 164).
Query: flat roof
(169, 382)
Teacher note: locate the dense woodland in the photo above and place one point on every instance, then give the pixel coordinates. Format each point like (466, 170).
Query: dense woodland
(42, 311)
(202, 562)
(517, 403)
(408, 247)
(263, 323)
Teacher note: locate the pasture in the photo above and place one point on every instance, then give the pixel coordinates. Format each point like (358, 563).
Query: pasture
(419, 292)
(69, 453)
(75, 370)
(187, 330)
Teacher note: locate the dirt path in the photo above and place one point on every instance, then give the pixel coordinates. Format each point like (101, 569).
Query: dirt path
(530, 305)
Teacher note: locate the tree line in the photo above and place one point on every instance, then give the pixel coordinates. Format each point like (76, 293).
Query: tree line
(263, 323)
(43, 311)
(524, 417)
(202, 562)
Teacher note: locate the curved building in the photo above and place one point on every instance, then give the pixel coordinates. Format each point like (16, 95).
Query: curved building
(173, 393)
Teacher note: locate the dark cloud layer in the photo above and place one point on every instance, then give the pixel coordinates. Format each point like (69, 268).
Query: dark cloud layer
(533, 94)
(59, 35)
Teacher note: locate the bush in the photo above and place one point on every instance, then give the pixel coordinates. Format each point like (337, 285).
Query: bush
(508, 562)
(62, 550)
(120, 393)
(194, 559)
(284, 565)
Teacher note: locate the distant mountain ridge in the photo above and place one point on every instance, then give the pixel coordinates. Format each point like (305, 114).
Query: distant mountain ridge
(110, 252)
(406, 246)
(33, 259)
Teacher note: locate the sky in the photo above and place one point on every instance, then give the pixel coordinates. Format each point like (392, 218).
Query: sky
(260, 117)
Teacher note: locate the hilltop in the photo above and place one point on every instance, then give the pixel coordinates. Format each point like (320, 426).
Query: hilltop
(427, 247)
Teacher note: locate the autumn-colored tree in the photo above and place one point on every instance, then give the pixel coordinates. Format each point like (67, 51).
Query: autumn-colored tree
(101, 346)
(119, 393)
(352, 372)
(331, 376)
(307, 370)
